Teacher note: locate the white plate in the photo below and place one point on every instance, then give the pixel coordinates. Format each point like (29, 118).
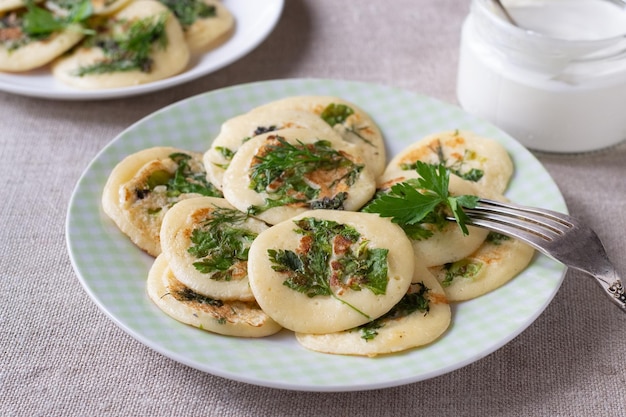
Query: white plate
(114, 272)
(254, 21)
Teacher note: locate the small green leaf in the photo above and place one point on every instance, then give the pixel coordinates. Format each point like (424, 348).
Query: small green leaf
(463, 268)
(422, 200)
(404, 204)
(81, 12)
(128, 50)
(39, 21)
(188, 11)
(335, 114)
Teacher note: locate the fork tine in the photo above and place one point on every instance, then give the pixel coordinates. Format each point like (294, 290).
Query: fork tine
(512, 226)
(535, 226)
(559, 223)
(543, 229)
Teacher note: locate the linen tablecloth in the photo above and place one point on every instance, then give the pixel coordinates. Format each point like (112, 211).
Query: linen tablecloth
(61, 356)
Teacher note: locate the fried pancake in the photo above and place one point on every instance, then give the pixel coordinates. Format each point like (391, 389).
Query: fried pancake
(90, 66)
(144, 185)
(277, 175)
(327, 270)
(209, 31)
(20, 52)
(495, 263)
(205, 241)
(480, 160)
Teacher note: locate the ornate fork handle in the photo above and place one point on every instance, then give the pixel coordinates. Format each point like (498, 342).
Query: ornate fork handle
(618, 291)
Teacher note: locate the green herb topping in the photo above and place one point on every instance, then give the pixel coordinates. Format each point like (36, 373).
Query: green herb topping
(41, 22)
(297, 174)
(222, 244)
(227, 154)
(335, 114)
(463, 268)
(185, 294)
(496, 238)
(184, 180)
(338, 114)
(188, 11)
(19, 28)
(416, 300)
(457, 167)
(332, 258)
(129, 49)
(422, 200)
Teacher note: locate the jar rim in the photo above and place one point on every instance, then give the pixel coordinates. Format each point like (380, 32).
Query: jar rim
(483, 6)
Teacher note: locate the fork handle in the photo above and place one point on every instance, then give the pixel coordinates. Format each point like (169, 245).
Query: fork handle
(614, 289)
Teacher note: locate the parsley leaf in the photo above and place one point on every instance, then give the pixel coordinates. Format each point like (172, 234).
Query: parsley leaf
(38, 21)
(423, 200)
(404, 204)
(323, 267)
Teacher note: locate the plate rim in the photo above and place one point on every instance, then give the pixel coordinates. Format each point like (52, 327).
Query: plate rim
(280, 384)
(74, 94)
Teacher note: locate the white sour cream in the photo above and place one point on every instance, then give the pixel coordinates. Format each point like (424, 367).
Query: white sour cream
(559, 84)
(569, 19)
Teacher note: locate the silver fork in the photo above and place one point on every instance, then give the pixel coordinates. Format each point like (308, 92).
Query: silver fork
(557, 235)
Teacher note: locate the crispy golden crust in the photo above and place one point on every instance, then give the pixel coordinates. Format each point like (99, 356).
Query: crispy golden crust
(392, 334)
(231, 318)
(137, 215)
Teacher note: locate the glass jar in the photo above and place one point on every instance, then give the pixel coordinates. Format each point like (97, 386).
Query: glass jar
(557, 81)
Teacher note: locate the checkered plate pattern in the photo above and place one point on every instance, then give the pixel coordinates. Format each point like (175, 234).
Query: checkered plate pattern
(113, 271)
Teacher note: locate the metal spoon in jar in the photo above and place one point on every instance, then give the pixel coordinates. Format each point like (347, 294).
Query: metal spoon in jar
(505, 12)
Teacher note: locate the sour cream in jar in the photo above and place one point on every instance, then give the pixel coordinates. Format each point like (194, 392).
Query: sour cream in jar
(557, 81)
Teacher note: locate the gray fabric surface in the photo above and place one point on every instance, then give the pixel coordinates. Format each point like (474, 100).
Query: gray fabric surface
(61, 356)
